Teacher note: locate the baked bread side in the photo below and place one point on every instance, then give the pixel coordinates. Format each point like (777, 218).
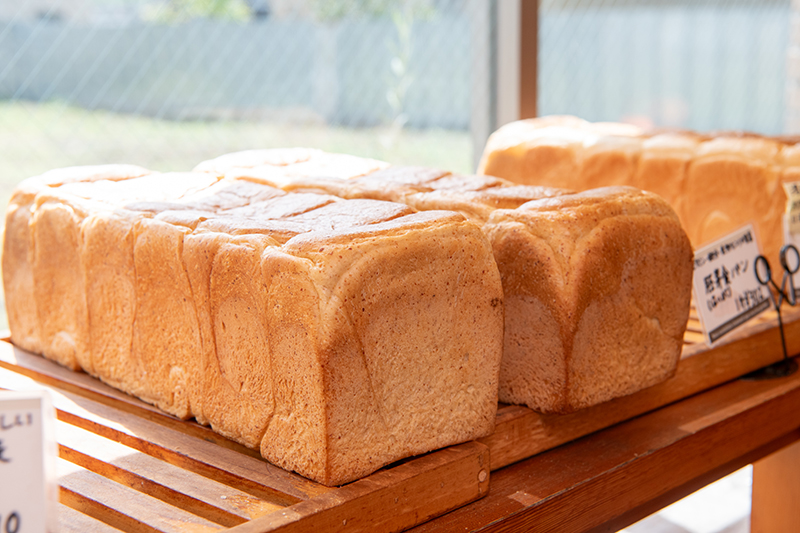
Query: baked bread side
(597, 288)
(551, 357)
(18, 247)
(336, 335)
(396, 328)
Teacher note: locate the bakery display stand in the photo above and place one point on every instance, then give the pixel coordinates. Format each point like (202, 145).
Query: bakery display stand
(125, 465)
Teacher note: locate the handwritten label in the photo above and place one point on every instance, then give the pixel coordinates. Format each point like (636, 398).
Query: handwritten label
(27, 455)
(727, 292)
(792, 218)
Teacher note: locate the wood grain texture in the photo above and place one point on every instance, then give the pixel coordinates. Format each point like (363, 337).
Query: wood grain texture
(122, 507)
(595, 482)
(72, 521)
(776, 492)
(194, 493)
(125, 466)
(390, 500)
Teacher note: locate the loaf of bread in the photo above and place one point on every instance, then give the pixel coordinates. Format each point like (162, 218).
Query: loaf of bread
(597, 289)
(597, 285)
(336, 336)
(716, 183)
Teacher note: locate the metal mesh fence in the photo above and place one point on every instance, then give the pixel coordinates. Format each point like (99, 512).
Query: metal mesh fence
(700, 64)
(168, 83)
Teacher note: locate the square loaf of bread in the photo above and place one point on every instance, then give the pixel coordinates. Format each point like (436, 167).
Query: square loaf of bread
(716, 182)
(334, 335)
(597, 285)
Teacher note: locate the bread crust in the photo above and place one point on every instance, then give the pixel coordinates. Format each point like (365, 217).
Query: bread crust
(554, 346)
(330, 334)
(716, 182)
(597, 289)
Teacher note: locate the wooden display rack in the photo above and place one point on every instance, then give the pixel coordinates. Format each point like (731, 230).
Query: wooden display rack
(125, 465)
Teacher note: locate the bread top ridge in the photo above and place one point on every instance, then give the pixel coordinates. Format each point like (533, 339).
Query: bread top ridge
(421, 188)
(559, 129)
(780, 152)
(567, 222)
(204, 202)
(585, 139)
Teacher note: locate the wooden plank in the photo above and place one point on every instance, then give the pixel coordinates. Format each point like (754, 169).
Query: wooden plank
(188, 491)
(72, 521)
(122, 507)
(608, 480)
(522, 433)
(254, 476)
(776, 491)
(126, 440)
(122, 462)
(390, 500)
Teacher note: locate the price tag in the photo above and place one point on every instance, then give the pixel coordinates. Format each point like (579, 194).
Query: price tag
(28, 491)
(726, 290)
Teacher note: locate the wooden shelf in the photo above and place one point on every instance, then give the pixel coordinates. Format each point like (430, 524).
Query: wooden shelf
(615, 477)
(521, 433)
(126, 465)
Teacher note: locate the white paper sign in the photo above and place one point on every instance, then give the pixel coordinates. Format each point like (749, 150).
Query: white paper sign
(726, 290)
(26, 461)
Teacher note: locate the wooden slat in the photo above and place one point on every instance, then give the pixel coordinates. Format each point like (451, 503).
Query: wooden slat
(255, 476)
(72, 521)
(124, 468)
(521, 433)
(201, 496)
(615, 477)
(693, 337)
(390, 500)
(122, 507)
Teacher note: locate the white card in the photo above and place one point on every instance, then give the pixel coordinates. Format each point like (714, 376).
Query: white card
(28, 492)
(726, 290)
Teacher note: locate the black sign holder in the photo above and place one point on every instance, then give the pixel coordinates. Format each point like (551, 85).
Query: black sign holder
(786, 366)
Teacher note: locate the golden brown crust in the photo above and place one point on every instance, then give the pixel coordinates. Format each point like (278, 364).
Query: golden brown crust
(716, 182)
(382, 388)
(263, 313)
(534, 246)
(571, 267)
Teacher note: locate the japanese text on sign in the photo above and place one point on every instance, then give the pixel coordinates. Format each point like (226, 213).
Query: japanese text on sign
(727, 292)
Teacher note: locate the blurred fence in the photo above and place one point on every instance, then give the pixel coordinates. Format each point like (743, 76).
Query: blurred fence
(342, 73)
(705, 64)
(701, 65)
